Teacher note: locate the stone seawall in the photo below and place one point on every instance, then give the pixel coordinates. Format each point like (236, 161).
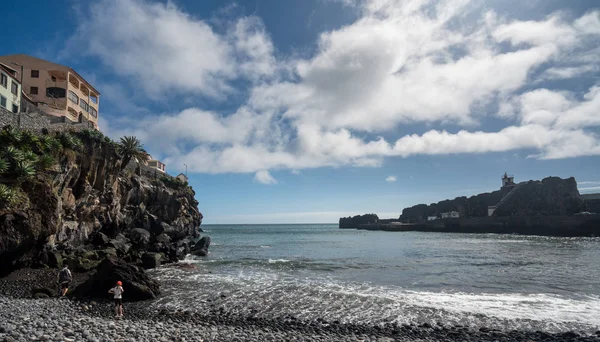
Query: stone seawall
(34, 119)
(568, 226)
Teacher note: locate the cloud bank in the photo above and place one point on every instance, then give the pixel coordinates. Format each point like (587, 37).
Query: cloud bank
(427, 66)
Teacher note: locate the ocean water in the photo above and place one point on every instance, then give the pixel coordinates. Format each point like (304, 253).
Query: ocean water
(319, 271)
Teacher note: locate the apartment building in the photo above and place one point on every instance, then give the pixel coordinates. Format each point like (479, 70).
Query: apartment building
(56, 89)
(10, 89)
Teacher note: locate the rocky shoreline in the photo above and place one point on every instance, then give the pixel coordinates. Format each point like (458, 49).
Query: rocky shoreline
(23, 318)
(65, 320)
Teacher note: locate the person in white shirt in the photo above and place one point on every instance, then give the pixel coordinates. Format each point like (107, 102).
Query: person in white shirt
(117, 291)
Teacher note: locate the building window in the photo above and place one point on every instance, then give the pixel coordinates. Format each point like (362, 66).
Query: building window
(84, 105)
(93, 112)
(2, 101)
(15, 108)
(35, 74)
(55, 92)
(4, 80)
(14, 88)
(33, 90)
(53, 79)
(73, 97)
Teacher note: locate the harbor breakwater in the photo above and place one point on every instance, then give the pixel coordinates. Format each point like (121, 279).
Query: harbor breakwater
(565, 226)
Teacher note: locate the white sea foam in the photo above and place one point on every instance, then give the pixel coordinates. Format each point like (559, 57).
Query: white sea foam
(275, 293)
(276, 261)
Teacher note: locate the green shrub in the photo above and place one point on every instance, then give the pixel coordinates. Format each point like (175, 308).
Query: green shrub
(7, 195)
(12, 154)
(30, 156)
(69, 141)
(3, 165)
(10, 136)
(174, 182)
(45, 162)
(24, 169)
(28, 140)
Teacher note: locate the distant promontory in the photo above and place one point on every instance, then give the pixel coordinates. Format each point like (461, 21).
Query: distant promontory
(552, 206)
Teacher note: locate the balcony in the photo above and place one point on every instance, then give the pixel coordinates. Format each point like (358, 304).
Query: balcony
(56, 84)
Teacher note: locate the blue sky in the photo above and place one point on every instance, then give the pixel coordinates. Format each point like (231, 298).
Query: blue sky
(307, 110)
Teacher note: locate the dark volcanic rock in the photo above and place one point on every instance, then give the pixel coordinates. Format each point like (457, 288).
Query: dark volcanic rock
(201, 247)
(88, 199)
(136, 283)
(552, 196)
(151, 260)
(356, 221)
(139, 237)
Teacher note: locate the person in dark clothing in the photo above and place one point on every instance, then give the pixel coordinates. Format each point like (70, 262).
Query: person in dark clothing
(64, 278)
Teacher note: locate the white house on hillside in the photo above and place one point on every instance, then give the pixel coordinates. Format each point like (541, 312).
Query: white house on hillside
(182, 177)
(451, 214)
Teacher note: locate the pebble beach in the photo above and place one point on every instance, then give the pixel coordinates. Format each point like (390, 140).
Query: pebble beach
(57, 319)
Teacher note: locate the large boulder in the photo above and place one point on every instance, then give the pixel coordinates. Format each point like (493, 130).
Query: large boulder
(100, 239)
(136, 283)
(140, 238)
(151, 260)
(201, 247)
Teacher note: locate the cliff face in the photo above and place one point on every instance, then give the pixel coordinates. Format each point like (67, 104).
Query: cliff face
(474, 206)
(356, 221)
(550, 196)
(86, 208)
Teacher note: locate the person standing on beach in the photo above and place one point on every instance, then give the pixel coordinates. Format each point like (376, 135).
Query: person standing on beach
(64, 278)
(117, 291)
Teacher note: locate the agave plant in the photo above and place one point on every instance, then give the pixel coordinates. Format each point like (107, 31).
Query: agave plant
(3, 165)
(12, 154)
(11, 135)
(44, 143)
(45, 162)
(29, 140)
(24, 169)
(30, 156)
(130, 148)
(7, 195)
(71, 142)
(54, 145)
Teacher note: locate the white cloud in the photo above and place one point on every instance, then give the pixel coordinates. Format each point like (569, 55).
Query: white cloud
(165, 49)
(264, 177)
(568, 72)
(588, 183)
(390, 179)
(400, 63)
(590, 189)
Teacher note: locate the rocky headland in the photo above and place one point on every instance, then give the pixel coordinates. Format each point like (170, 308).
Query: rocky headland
(80, 199)
(550, 207)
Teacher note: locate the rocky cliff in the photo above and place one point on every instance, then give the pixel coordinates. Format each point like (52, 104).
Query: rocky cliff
(550, 196)
(474, 206)
(85, 207)
(356, 221)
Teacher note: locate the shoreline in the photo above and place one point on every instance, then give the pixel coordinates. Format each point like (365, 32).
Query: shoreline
(52, 319)
(70, 320)
(556, 226)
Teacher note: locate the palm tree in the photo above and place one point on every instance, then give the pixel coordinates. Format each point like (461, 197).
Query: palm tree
(130, 148)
